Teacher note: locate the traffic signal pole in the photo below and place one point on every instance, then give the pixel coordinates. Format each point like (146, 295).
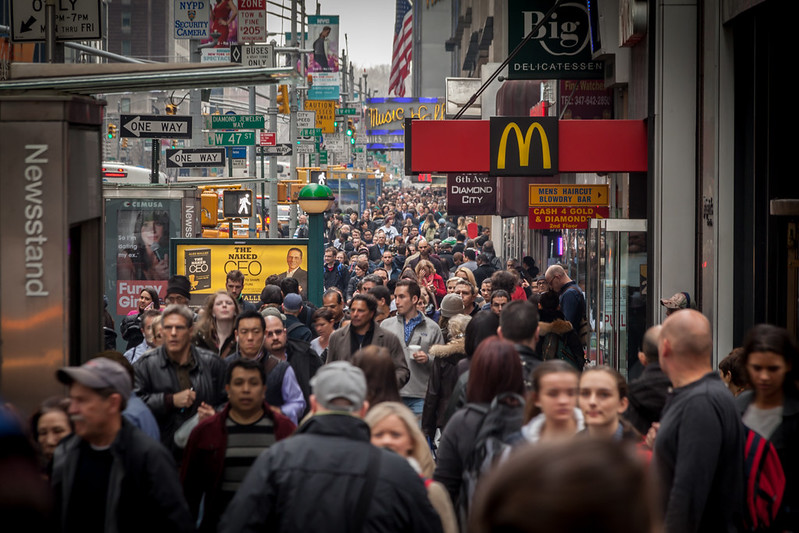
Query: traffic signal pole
(295, 56)
(272, 112)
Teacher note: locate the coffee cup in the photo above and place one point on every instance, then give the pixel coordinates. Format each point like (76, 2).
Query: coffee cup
(414, 348)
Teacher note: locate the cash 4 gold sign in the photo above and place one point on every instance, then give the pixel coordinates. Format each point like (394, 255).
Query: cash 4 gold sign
(523, 146)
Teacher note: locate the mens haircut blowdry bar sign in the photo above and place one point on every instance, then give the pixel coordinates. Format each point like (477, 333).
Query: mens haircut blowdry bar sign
(523, 146)
(471, 194)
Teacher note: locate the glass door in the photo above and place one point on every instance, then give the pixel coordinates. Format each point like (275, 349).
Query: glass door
(616, 276)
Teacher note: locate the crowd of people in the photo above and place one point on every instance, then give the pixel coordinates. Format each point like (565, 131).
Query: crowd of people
(437, 388)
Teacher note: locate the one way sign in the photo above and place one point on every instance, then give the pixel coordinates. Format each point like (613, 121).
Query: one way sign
(195, 157)
(156, 126)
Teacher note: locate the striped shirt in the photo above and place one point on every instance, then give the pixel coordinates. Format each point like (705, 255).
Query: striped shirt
(245, 442)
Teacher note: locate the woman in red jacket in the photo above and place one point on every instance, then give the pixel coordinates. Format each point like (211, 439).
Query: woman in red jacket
(426, 274)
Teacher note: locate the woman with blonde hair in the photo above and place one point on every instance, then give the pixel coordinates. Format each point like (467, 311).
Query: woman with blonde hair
(428, 278)
(395, 427)
(214, 330)
(465, 273)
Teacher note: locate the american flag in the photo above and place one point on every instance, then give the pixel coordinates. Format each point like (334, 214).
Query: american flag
(403, 45)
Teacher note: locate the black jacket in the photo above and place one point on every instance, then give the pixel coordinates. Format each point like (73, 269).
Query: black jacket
(647, 396)
(305, 362)
(157, 382)
(312, 481)
(144, 493)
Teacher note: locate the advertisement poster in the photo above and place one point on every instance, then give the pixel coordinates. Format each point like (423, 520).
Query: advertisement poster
(224, 23)
(206, 262)
(142, 251)
(323, 34)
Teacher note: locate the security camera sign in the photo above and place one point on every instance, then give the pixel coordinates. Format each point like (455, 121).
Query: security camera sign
(192, 19)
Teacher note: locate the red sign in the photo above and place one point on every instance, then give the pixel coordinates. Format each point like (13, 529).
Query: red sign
(583, 146)
(252, 22)
(564, 217)
(268, 138)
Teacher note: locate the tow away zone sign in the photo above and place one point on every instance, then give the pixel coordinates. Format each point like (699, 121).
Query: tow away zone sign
(195, 157)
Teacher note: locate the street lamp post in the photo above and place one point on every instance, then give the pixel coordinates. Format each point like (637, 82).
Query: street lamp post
(315, 199)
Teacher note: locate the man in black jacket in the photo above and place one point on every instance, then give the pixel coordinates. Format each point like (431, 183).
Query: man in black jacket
(199, 375)
(108, 475)
(649, 392)
(518, 323)
(346, 483)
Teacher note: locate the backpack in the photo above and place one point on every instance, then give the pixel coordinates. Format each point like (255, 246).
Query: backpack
(765, 482)
(501, 419)
(555, 347)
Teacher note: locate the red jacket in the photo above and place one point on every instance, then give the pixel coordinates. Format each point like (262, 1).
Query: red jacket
(204, 462)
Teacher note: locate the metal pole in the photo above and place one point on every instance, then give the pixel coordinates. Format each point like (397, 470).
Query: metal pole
(253, 171)
(272, 112)
(293, 109)
(49, 33)
(316, 224)
(156, 152)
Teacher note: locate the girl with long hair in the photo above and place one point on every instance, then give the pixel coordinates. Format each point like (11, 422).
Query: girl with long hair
(214, 330)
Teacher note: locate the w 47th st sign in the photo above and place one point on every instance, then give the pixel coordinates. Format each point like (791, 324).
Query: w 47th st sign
(155, 126)
(236, 138)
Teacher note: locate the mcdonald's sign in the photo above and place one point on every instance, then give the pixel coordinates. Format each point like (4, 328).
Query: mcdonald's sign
(523, 146)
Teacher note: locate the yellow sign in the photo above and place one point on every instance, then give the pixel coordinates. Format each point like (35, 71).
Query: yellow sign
(569, 195)
(206, 262)
(524, 145)
(325, 114)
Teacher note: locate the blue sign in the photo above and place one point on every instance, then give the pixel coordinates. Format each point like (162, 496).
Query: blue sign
(323, 92)
(237, 152)
(362, 195)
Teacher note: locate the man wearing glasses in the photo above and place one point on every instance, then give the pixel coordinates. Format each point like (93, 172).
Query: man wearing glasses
(199, 373)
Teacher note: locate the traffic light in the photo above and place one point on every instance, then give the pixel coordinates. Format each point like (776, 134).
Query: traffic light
(208, 213)
(171, 109)
(283, 99)
(351, 131)
(112, 131)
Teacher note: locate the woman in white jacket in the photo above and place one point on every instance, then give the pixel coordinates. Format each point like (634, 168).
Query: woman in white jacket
(552, 411)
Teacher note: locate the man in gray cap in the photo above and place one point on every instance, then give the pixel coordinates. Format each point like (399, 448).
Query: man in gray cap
(109, 460)
(347, 484)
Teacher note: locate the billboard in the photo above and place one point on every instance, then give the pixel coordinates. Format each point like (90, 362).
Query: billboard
(206, 262)
(385, 119)
(224, 23)
(323, 32)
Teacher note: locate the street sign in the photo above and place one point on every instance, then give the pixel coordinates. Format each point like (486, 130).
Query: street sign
(568, 195)
(195, 157)
(306, 148)
(155, 126)
(234, 122)
(237, 152)
(76, 20)
(268, 138)
(237, 203)
(252, 21)
(564, 217)
(309, 132)
(252, 55)
(346, 111)
(192, 18)
(306, 119)
(235, 138)
(277, 149)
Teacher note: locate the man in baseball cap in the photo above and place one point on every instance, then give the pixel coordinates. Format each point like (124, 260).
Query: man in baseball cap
(109, 460)
(339, 386)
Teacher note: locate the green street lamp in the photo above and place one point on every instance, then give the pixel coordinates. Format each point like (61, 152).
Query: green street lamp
(315, 199)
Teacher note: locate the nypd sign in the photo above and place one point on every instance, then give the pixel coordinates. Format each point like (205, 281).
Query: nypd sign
(192, 19)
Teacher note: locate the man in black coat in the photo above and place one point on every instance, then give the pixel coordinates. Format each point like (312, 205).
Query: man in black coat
(346, 483)
(108, 475)
(648, 393)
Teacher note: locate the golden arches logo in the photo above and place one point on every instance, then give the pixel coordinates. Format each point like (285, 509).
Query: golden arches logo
(524, 145)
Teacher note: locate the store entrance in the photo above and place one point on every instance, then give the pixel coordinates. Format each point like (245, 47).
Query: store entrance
(615, 288)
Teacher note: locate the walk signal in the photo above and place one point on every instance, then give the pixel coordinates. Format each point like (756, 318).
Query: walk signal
(112, 131)
(283, 99)
(171, 109)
